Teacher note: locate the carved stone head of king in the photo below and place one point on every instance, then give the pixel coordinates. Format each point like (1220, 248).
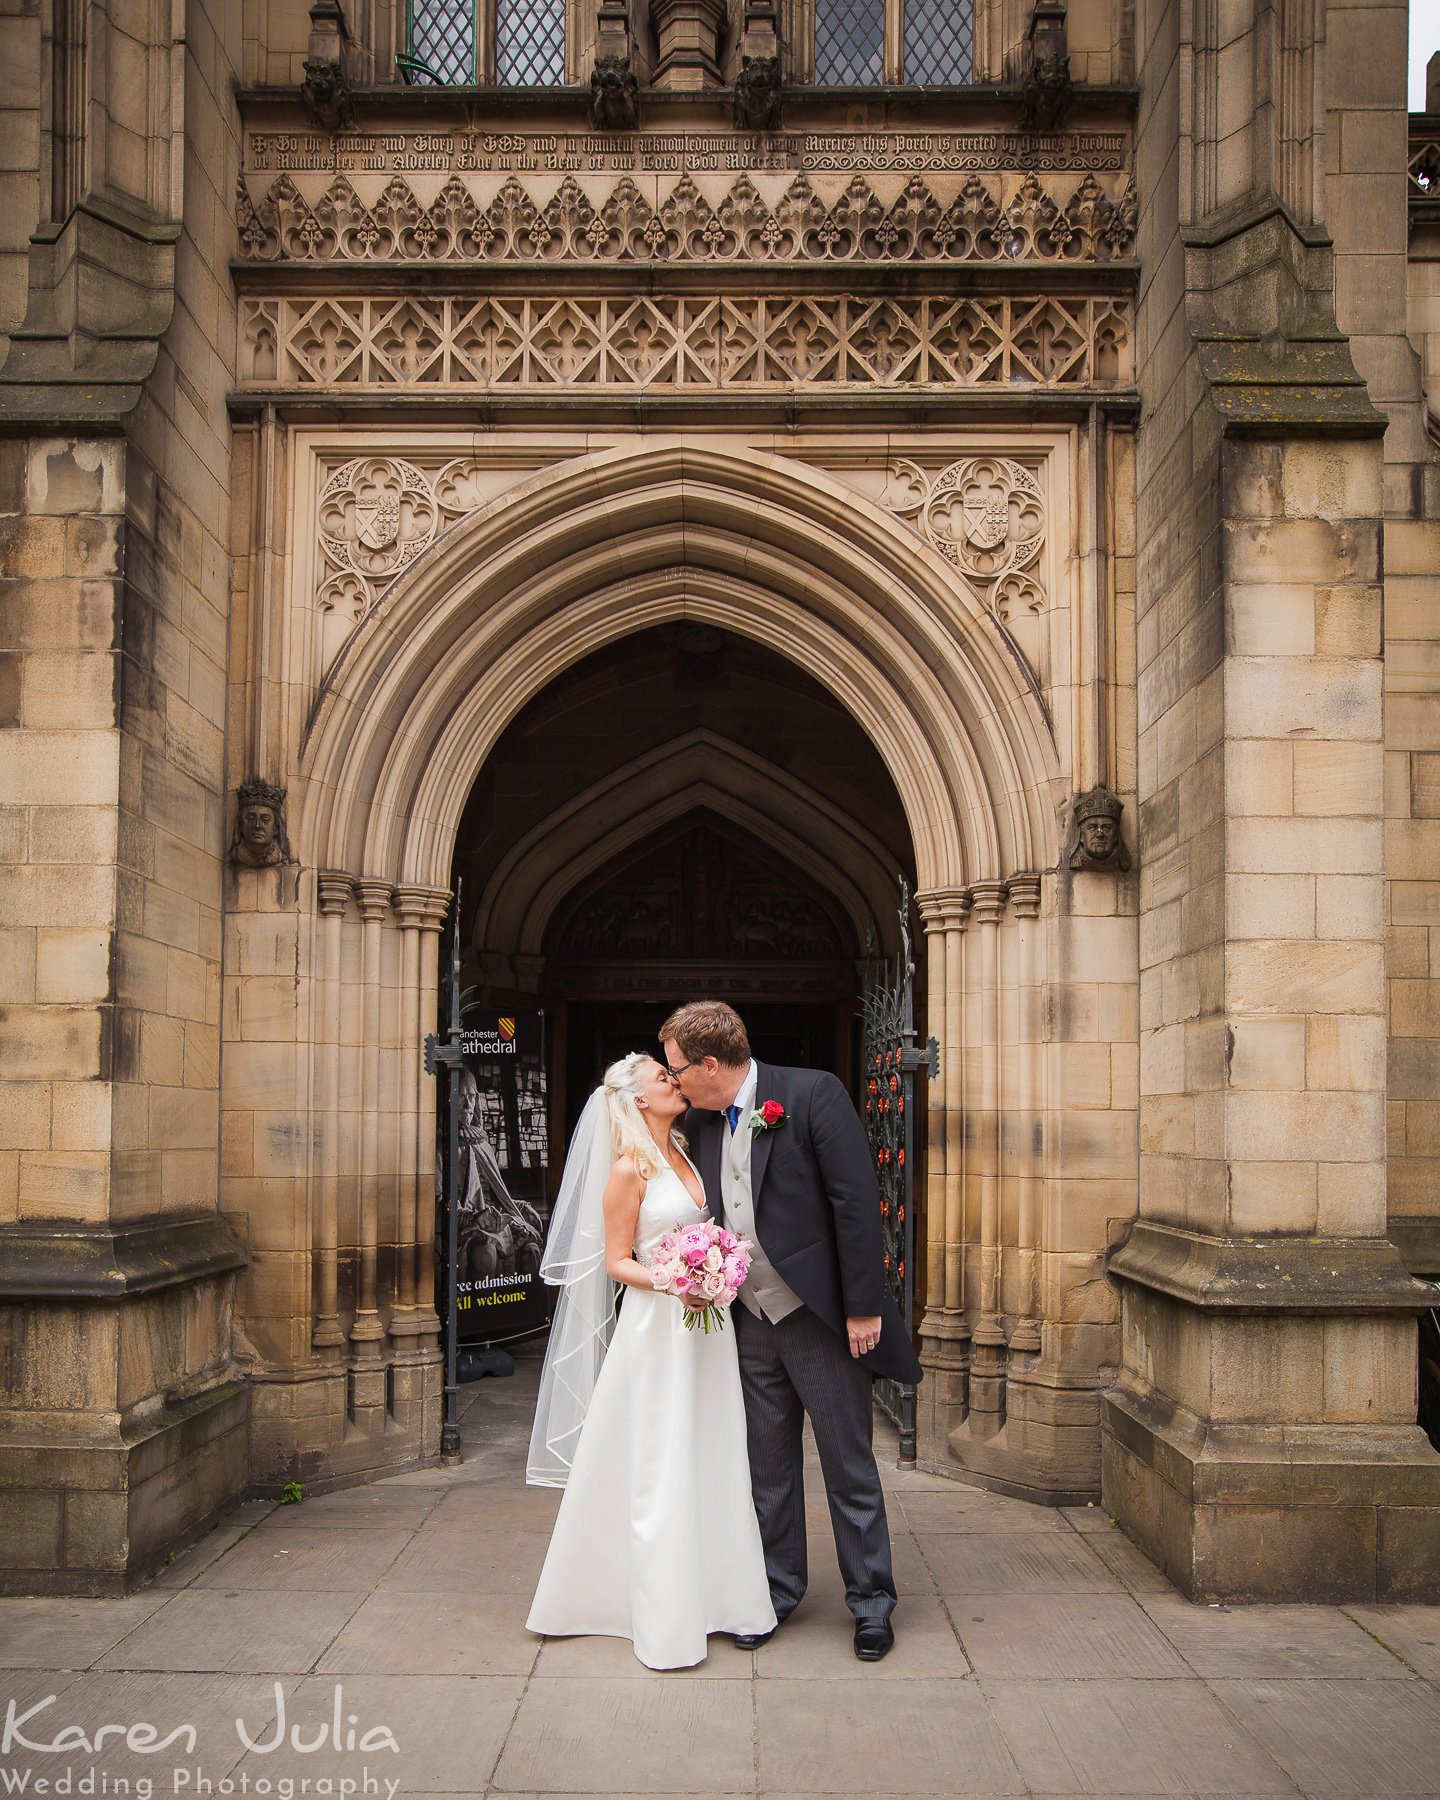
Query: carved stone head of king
(260, 840)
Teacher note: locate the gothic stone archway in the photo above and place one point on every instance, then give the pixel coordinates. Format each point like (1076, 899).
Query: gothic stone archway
(820, 557)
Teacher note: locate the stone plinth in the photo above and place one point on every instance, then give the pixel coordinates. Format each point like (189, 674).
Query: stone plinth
(1261, 1440)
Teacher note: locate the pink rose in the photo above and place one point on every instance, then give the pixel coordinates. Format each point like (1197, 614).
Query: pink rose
(713, 1286)
(660, 1279)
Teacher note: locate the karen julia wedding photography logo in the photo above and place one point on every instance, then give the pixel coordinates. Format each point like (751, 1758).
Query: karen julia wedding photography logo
(42, 1757)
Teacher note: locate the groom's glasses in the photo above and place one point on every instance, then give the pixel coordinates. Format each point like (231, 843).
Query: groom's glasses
(675, 1074)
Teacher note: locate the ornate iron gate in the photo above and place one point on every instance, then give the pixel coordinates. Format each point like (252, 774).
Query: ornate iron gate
(890, 1059)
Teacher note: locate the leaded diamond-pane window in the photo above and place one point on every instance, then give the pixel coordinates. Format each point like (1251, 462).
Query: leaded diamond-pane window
(442, 37)
(850, 42)
(939, 42)
(530, 43)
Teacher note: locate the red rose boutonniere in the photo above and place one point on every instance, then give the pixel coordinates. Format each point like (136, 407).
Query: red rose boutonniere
(768, 1117)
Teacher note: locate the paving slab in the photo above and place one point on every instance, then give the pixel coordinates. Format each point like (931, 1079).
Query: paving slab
(239, 1630)
(1270, 1642)
(1089, 1517)
(893, 1736)
(1015, 1637)
(1409, 1631)
(1129, 1737)
(449, 1729)
(397, 1633)
(467, 1559)
(190, 1564)
(327, 1558)
(1344, 1737)
(359, 1509)
(195, 1720)
(1132, 1570)
(1013, 1562)
(510, 1506)
(614, 1659)
(818, 1643)
(68, 1634)
(630, 1737)
(970, 1509)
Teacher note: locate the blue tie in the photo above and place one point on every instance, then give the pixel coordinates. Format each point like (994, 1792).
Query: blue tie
(732, 1113)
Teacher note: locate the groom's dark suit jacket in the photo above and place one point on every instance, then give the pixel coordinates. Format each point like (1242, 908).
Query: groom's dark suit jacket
(817, 1205)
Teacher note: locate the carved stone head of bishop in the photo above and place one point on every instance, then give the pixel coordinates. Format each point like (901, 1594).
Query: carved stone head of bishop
(1097, 831)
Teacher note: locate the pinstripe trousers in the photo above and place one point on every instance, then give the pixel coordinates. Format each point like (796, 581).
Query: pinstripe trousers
(788, 1370)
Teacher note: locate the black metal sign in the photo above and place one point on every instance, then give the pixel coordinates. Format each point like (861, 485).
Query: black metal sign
(890, 1059)
(499, 1180)
(494, 1148)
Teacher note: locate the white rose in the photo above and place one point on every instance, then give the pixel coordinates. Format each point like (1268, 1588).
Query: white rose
(714, 1259)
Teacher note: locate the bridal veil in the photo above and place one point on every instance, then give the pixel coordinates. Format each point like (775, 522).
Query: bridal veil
(574, 1261)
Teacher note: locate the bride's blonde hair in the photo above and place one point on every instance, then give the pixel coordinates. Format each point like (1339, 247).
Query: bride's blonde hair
(629, 1134)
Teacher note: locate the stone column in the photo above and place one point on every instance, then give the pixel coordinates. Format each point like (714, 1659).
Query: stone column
(944, 1330)
(367, 1332)
(327, 1337)
(1024, 895)
(987, 1368)
(1260, 1441)
(123, 1421)
(422, 914)
(688, 34)
(434, 914)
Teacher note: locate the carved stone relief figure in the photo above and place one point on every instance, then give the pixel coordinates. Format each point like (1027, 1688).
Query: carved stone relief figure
(1098, 845)
(261, 840)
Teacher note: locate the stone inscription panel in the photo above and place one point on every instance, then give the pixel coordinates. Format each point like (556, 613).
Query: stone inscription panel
(462, 152)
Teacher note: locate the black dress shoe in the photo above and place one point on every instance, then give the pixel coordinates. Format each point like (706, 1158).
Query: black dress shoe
(752, 1640)
(873, 1639)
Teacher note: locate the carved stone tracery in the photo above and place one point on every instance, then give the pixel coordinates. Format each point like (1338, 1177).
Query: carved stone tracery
(986, 515)
(377, 514)
(686, 226)
(684, 342)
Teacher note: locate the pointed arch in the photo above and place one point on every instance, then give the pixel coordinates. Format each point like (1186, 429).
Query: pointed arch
(611, 543)
(559, 852)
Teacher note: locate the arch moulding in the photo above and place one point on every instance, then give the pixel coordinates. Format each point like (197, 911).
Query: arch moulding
(606, 545)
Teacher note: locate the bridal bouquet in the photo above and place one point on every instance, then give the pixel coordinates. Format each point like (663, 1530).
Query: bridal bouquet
(701, 1261)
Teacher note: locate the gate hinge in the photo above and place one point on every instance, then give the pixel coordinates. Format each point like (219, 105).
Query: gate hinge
(924, 1056)
(438, 1054)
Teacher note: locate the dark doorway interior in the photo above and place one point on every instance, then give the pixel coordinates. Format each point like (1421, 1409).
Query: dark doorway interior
(713, 900)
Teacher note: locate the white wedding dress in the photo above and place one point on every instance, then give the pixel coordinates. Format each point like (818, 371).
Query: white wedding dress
(656, 1540)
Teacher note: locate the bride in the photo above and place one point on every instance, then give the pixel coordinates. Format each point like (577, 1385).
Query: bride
(656, 1539)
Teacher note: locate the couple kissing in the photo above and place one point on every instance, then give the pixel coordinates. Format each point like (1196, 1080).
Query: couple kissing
(698, 1170)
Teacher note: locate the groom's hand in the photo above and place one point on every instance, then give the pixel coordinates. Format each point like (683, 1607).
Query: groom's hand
(864, 1334)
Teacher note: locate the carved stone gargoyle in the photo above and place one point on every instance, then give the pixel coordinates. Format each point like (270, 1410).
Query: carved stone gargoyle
(1048, 88)
(325, 90)
(1096, 819)
(261, 840)
(758, 94)
(614, 95)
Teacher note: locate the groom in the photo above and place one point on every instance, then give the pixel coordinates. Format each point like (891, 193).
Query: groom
(785, 1163)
